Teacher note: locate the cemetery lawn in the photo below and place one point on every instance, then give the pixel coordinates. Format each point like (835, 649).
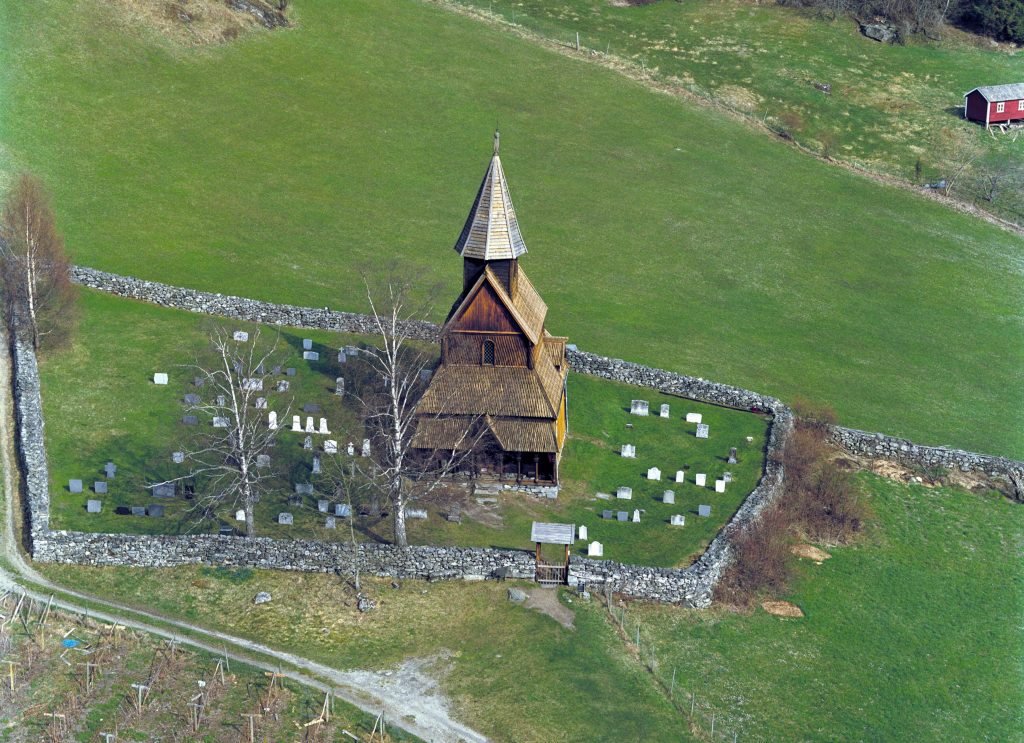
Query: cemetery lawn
(511, 672)
(911, 634)
(101, 405)
(281, 164)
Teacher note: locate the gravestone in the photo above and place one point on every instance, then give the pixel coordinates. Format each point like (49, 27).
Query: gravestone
(680, 476)
(330, 446)
(342, 357)
(198, 381)
(607, 514)
(155, 511)
(664, 410)
(285, 519)
(694, 417)
(704, 511)
(366, 448)
(307, 344)
(653, 474)
(603, 496)
(163, 490)
(311, 355)
(330, 523)
(262, 460)
(415, 513)
(732, 455)
(342, 510)
(639, 407)
(75, 486)
(276, 369)
(719, 486)
(339, 386)
(252, 384)
(272, 420)
(669, 496)
(629, 451)
(677, 519)
(178, 457)
(190, 420)
(226, 530)
(304, 488)
(110, 469)
(239, 515)
(290, 371)
(582, 533)
(310, 407)
(221, 401)
(316, 465)
(727, 476)
(636, 515)
(310, 428)
(192, 399)
(240, 335)
(283, 385)
(220, 422)
(322, 506)
(350, 449)
(138, 510)
(296, 424)
(307, 443)
(595, 549)
(700, 479)
(702, 430)
(622, 515)
(323, 430)
(261, 403)
(160, 378)
(624, 493)
(351, 350)
(99, 487)
(93, 506)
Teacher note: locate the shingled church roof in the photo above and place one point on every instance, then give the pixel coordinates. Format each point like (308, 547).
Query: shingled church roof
(491, 231)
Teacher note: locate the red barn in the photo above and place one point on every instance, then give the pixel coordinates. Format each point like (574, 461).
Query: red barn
(995, 104)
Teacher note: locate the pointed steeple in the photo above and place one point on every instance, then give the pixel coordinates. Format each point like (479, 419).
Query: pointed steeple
(491, 231)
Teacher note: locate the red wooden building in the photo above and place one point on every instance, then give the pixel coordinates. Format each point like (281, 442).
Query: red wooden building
(995, 104)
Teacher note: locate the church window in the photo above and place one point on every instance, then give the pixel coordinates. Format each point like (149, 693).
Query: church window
(488, 353)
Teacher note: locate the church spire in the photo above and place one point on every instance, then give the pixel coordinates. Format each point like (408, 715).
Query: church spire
(491, 231)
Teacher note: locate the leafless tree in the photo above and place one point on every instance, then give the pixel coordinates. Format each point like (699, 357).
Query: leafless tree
(38, 296)
(223, 457)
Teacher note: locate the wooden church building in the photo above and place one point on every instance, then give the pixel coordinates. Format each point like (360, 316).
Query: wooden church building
(501, 372)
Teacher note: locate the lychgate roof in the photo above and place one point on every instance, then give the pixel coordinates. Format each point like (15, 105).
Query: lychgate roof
(996, 93)
(553, 533)
(491, 231)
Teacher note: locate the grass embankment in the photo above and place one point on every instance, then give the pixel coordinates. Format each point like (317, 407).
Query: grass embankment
(893, 109)
(909, 634)
(279, 164)
(101, 405)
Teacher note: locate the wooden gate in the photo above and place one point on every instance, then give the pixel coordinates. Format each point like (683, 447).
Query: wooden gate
(551, 575)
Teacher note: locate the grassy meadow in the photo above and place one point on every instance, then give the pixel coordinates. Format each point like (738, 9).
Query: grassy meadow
(281, 164)
(113, 412)
(911, 633)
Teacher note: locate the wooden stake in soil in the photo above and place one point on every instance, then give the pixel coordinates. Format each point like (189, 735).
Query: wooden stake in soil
(10, 671)
(142, 691)
(252, 725)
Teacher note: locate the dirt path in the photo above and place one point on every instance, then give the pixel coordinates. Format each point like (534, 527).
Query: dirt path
(432, 720)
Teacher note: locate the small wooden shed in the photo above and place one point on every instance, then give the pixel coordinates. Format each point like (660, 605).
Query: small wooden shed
(995, 104)
(542, 533)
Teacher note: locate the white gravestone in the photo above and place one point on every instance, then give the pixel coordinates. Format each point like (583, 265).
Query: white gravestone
(239, 515)
(704, 511)
(415, 513)
(639, 407)
(285, 519)
(653, 474)
(624, 493)
(297, 424)
(342, 357)
(595, 549)
(282, 386)
(307, 344)
(272, 420)
(252, 384)
(311, 355)
(669, 496)
(219, 422)
(680, 476)
(350, 449)
(309, 424)
(702, 430)
(582, 533)
(330, 446)
(678, 520)
(339, 386)
(629, 451)
(178, 457)
(719, 486)
(727, 476)
(694, 417)
(323, 431)
(366, 448)
(240, 335)
(700, 480)
(636, 516)
(160, 378)
(261, 403)
(664, 411)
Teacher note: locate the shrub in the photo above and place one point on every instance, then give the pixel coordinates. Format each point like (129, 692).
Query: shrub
(1000, 19)
(761, 564)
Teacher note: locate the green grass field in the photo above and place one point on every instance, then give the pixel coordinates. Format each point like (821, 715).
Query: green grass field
(891, 108)
(280, 164)
(910, 634)
(101, 405)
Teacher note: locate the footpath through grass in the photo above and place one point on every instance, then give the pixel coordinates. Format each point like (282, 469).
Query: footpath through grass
(280, 164)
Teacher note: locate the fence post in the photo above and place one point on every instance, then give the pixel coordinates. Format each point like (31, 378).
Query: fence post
(672, 688)
(577, 41)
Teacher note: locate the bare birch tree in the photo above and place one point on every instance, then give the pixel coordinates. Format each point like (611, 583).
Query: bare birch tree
(224, 458)
(38, 295)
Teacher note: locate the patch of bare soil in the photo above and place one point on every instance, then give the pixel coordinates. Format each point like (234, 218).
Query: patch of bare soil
(486, 513)
(782, 609)
(197, 22)
(545, 600)
(810, 552)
